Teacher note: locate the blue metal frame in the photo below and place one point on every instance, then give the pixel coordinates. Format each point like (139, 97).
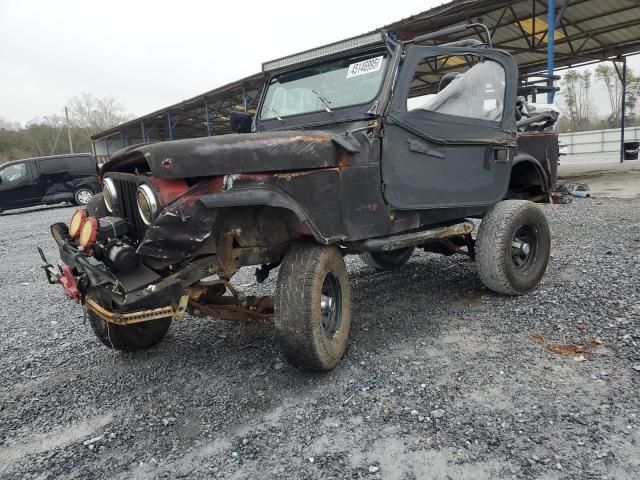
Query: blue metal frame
(551, 37)
(169, 123)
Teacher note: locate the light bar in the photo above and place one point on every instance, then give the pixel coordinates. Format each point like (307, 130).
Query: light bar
(331, 49)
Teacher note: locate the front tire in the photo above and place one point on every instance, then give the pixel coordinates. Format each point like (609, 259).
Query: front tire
(387, 260)
(513, 247)
(313, 306)
(134, 337)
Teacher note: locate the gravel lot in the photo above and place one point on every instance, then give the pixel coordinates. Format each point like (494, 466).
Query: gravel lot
(443, 379)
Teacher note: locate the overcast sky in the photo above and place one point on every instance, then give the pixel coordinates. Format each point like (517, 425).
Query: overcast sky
(150, 54)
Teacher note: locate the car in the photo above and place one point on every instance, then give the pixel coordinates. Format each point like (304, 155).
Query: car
(336, 161)
(48, 180)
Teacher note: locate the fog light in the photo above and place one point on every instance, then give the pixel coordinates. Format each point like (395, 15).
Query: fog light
(89, 232)
(77, 220)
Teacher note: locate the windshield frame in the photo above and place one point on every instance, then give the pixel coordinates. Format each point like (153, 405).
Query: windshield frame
(339, 114)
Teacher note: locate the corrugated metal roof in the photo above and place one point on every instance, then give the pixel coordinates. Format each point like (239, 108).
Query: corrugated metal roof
(587, 31)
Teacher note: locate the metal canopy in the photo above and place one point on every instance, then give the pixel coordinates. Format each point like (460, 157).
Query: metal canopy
(588, 31)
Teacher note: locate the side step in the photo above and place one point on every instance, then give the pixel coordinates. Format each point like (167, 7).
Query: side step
(404, 240)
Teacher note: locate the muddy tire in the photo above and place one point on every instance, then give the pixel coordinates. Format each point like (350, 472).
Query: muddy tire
(387, 260)
(130, 338)
(313, 306)
(82, 196)
(513, 247)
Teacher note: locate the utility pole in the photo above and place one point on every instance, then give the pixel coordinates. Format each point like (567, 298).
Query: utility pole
(66, 114)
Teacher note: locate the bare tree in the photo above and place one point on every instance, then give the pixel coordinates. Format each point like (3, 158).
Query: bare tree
(6, 124)
(45, 134)
(94, 114)
(611, 80)
(576, 93)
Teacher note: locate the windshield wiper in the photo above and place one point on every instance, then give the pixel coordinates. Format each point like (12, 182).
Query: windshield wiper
(272, 111)
(324, 101)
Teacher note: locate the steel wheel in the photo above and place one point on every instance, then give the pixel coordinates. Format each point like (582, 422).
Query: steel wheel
(331, 305)
(82, 196)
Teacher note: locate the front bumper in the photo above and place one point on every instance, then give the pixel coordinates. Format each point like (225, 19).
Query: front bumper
(81, 276)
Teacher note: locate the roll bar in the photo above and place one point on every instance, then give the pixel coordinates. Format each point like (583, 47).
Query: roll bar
(451, 31)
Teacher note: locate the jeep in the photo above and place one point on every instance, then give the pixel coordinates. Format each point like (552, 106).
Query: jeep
(369, 146)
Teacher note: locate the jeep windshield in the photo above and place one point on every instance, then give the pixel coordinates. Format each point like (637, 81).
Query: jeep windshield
(324, 88)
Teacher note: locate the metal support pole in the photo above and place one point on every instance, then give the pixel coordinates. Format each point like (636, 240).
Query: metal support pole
(144, 140)
(169, 123)
(66, 114)
(551, 21)
(244, 99)
(206, 117)
(624, 107)
(106, 144)
(122, 139)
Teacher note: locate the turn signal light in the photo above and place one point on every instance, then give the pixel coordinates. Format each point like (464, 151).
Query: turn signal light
(89, 232)
(77, 220)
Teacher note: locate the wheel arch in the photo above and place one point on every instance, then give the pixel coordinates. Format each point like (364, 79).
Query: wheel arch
(527, 178)
(262, 196)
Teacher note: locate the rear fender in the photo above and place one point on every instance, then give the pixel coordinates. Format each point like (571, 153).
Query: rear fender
(527, 172)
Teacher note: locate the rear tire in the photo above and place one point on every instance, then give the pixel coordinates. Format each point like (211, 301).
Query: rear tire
(313, 306)
(387, 260)
(129, 338)
(513, 247)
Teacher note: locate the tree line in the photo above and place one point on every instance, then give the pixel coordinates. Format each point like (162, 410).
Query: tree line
(49, 135)
(577, 103)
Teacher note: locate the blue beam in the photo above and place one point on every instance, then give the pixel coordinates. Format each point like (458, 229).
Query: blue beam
(244, 99)
(106, 143)
(206, 116)
(551, 37)
(169, 123)
(122, 138)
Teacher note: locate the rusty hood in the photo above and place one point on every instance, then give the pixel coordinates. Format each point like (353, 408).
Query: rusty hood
(226, 154)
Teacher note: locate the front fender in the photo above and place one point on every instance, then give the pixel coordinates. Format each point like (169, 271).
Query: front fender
(263, 195)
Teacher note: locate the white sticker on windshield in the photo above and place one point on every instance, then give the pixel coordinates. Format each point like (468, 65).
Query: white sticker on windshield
(364, 67)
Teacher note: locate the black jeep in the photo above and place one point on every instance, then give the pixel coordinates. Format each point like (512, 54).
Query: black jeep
(368, 146)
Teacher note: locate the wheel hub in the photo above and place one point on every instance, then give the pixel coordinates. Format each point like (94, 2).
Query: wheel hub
(524, 247)
(84, 196)
(331, 304)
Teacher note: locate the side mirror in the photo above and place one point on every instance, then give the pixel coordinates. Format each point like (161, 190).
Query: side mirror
(240, 122)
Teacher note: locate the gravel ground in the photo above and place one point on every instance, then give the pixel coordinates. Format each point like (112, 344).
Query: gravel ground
(443, 379)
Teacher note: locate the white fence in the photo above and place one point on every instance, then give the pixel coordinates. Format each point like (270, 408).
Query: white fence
(598, 141)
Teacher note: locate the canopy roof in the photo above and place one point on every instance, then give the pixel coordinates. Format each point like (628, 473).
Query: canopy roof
(587, 31)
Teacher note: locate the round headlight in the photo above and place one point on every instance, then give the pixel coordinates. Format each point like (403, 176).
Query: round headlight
(88, 232)
(110, 194)
(77, 220)
(147, 203)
